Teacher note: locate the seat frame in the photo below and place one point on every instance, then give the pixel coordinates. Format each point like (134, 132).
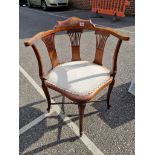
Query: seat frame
(74, 27)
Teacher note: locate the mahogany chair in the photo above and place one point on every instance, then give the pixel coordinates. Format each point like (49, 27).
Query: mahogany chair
(78, 80)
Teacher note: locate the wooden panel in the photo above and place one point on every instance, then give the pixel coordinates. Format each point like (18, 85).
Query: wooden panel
(50, 44)
(101, 38)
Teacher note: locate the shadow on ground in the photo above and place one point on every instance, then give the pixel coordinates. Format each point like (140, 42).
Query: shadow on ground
(122, 111)
(35, 133)
(122, 107)
(28, 113)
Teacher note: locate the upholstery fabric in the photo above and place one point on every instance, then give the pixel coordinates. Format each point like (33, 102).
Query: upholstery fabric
(78, 77)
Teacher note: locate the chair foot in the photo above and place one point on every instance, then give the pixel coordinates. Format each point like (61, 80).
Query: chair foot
(109, 93)
(81, 133)
(108, 106)
(48, 109)
(81, 116)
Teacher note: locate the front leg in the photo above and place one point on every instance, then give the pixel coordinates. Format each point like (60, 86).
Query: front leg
(109, 93)
(45, 89)
(81, 115)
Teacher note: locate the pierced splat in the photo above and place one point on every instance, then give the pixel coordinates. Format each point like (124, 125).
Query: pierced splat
(75, 36)
(101, 38)
(74, 27)
(50, 45)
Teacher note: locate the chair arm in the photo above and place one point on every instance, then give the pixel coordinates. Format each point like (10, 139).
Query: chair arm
(114, 33)
(33, 39)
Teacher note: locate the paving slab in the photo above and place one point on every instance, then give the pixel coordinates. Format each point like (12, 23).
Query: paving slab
(51, 136)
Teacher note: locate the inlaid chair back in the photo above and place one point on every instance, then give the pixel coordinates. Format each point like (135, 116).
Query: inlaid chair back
(75, 27)
(102, 76)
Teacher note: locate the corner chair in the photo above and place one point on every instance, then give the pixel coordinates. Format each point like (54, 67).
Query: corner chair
(77, 80)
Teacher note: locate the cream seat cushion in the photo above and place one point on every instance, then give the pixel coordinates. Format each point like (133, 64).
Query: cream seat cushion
(79, 77)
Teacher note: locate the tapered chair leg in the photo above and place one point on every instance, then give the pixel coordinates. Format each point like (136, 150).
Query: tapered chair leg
(81, 116)
(45, 89)
(109, 93)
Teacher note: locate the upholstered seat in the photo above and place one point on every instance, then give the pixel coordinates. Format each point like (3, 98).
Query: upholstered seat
(78, 77)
